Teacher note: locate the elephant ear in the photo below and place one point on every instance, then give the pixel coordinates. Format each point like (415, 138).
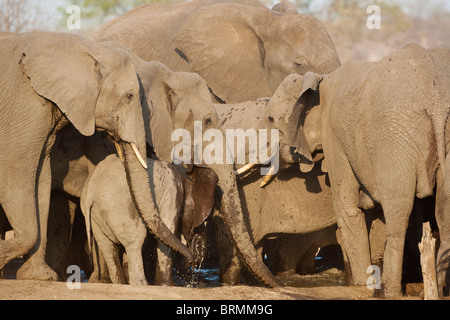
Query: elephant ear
(205, 182)
(288, 107)
(222, 46)
(62, 68)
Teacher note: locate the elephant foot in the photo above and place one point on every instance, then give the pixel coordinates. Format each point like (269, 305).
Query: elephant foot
(34, 269)
(139, 281)
(388, 292)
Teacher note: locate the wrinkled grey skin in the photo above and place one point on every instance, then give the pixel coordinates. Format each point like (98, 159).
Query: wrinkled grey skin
(174, 100)
(109, 210)
(44, 87)
(381, 127)
(177, 99)
(441, 55)
(300, 203)
(242, 50)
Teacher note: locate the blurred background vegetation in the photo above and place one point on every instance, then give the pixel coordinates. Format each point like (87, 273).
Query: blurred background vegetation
(402, 21)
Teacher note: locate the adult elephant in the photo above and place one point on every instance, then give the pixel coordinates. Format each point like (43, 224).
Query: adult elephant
(75, 157)
(381, 127)
(301, 203)
(242, 50)
(48, 80)
(172, 100)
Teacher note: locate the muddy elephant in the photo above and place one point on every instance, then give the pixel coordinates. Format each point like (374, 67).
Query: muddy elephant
(242, 50)
(171, 101)
(109, 211)
(381, 127)
(48, 81)
(182, 122)
(301, 203)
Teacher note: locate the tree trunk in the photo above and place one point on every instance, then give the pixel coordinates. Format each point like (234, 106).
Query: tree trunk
(428, 262)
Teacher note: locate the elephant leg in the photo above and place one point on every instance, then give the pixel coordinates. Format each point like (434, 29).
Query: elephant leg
(397, 212)
(307, 262)
(19, 207)
(36, 267)
(347, 270)
(442, 213)
(100, 269)
(350, 218)
(133, 242)
(110, 252)
(136, 272)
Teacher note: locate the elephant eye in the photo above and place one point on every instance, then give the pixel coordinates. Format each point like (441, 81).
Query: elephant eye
(207, 122)
(130, 96)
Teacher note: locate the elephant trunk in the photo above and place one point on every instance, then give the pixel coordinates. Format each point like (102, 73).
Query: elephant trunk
(234, 220)
(138, 182)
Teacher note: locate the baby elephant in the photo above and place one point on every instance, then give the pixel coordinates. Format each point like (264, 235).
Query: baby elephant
(110, 213)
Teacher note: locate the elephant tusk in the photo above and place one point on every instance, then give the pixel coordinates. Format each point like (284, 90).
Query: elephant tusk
(119, 151)
(138, 155)
(245, 168)
(268, 177)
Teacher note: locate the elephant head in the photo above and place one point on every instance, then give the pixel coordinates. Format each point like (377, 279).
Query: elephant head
(181, 101)
(286, 111)
(96, 87)
(244, 53)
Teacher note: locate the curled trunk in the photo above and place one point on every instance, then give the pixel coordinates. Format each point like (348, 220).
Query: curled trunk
(143, 198)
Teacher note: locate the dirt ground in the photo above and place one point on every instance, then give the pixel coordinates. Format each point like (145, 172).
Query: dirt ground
(43, 290)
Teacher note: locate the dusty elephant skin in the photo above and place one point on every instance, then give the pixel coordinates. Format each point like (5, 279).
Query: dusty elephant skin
(42, 101)
(109, 209)
(176, 100)
(242, 49)
(102, 92)
(381, 126)
(299, 202)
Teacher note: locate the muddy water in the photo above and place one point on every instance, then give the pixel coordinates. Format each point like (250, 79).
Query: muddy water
(209, 277)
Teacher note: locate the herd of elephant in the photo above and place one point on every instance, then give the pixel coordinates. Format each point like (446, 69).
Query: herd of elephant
(87, 123)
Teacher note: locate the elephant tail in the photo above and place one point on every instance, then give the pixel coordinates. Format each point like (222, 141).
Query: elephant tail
(439, 132)
(438, 114)
(86, 208)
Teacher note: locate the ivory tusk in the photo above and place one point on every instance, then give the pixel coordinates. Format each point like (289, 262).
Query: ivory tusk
(138, 155)
(268, 177)
(119, 151)
(245, 168)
